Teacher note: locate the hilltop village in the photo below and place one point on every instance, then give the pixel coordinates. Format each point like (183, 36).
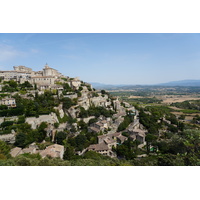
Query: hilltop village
(51, 115)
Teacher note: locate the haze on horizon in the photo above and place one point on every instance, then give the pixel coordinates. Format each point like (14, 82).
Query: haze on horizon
(125, 58)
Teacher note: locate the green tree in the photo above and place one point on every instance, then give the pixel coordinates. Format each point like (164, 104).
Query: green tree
(149, 139)
(60, 136)
(103, 92)
(125, 123)
(41, 132)
(20, 140)
(26, 84)
(67, 103)
(4, 149)
(69, 153)
(81, 142)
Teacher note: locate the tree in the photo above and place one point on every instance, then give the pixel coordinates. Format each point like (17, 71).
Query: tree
(67, 88)
(69, 153)
(60, 136)
(83, 125)
(182, 117)
(125, 123)
(93, 155)
(7, 123)
(12, 84)
(4, 149)
(125, 150)
(20, 140)
(103, 92)
(149, 139)
(92, 121)
(81, 142)
(83, 113)
(56, 125)
(41, 132)
(26, 84)
(67, 103)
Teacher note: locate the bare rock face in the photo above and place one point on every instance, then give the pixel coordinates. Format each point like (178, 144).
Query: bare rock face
(60, 110)
(85, 103)
(61, 113)
(71, 96)
(72, 112)
(86, 120)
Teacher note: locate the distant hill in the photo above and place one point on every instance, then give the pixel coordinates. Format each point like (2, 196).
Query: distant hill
(100, 86)
(182, 83)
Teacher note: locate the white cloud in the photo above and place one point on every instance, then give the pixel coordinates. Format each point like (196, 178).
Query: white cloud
(8, 52)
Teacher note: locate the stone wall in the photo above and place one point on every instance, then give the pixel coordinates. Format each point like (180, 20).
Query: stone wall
(35, 122)
(8, 137)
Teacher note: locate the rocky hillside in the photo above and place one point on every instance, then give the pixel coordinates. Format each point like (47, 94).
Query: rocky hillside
(69, 113)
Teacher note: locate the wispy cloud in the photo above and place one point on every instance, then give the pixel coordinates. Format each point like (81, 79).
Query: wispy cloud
(9, 52)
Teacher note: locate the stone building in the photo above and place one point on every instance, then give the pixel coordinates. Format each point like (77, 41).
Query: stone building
(43, 80)
(48, 71)
(106, 143)
(75, 83)
(21, 74)
(55, 151)
(10, 102)
(22, 69)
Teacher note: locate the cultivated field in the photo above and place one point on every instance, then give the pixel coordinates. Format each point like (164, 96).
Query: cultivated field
(168, 99)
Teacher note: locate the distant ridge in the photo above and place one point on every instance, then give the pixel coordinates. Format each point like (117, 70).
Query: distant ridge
(182, 83)
(105, 86)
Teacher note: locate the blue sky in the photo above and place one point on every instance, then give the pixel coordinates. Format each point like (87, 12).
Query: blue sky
(127, 58)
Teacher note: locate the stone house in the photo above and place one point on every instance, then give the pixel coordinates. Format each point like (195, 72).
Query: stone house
(75, 83)
(43, 80)
(117, 137)
(10, 102)
(16, 151)
(106, 143)
(138, 134)
(98, 126)
(102, 124)
(32, 149)
(50, 87)
(55, 151)
(92, 129)
(102, 148)
(14, 75)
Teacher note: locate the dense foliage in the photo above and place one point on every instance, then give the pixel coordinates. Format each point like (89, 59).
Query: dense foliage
(193, 105)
